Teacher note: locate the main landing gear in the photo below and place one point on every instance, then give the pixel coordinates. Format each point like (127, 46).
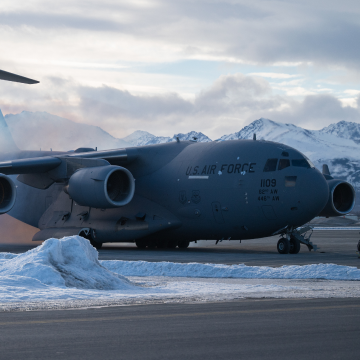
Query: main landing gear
(291, 240)
(90, 235)
(162, 244)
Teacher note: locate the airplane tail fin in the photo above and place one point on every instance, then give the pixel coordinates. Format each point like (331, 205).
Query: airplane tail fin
(7, 143)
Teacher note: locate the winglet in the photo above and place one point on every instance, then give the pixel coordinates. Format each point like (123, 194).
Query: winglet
(4, 75)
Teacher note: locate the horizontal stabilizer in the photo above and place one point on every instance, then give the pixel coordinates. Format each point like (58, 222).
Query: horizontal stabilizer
(4, 75)
(27, 166)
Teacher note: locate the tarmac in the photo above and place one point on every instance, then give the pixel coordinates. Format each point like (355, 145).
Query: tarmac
(336, 247)
(249, 328)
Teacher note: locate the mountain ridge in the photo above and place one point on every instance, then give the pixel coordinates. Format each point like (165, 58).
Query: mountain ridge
(337, 144)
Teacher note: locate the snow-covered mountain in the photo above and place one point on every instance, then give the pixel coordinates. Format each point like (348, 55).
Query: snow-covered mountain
(315, 144)
(192, 135)
(338, 145)
(140, 138)
(35, 130)
(344, 129)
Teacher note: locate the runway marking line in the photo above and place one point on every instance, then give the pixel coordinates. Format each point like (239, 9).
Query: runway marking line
(131, 317)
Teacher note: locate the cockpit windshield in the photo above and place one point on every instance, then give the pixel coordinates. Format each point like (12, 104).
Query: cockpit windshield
(300, 163)
(283, 163)
(273, 164)
(270, 165)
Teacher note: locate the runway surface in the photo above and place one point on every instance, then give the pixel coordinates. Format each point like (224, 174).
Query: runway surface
(337, 247)
(248, 329)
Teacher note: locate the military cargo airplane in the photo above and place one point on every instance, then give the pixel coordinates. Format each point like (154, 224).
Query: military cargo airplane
(168, 195)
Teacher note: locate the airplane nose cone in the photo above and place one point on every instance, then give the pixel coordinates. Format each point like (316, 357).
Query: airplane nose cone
(306, 194)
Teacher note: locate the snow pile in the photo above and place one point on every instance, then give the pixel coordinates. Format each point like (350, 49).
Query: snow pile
(6, 256)
(70, 262)
(314, 271)
(69, 270)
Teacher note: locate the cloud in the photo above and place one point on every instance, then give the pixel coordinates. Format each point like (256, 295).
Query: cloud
(43, 20)
(229, 103)
(274, 75)
(317, 111)
(264, 32)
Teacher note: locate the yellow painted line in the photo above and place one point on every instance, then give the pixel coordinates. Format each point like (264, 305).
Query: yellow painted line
(177, 315)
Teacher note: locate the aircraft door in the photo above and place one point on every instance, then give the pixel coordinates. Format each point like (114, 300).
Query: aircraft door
(216, 208)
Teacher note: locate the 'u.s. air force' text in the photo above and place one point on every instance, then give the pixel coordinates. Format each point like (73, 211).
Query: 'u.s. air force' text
(224, 168)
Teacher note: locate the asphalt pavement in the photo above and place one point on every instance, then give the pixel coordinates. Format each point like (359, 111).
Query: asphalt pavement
(247, 329)
(250, 329)
(336, 247)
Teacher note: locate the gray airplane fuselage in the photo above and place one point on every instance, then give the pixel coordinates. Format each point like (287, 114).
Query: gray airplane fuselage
(188, 190)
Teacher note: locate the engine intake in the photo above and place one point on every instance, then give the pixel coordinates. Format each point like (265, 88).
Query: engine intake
(341, 199)
(7, 194)
(102, 187)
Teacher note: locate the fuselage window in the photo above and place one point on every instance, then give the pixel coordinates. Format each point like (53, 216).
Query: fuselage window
(300, 163)
(283, 163)
(290, 181)
(270, 165)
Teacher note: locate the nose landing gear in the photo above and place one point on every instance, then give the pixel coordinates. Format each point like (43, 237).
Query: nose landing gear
(292, 238)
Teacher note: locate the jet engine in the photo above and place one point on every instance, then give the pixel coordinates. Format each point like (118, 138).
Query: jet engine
(7, 194)
(341, 198)
(102, 187)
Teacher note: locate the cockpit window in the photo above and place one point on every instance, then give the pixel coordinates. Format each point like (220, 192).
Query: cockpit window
(270, 165)
(300, 163)
(283, 163)
(310, 163)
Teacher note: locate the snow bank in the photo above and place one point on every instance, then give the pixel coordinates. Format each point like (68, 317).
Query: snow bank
(68, 270)
(6, 256)
(69, 262)
(315, 271)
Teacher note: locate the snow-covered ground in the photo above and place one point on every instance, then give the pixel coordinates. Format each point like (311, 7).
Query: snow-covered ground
(67, 273)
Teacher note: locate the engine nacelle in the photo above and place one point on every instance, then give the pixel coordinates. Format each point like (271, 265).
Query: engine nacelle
(7, 194)
(102, 187)
(341, 198)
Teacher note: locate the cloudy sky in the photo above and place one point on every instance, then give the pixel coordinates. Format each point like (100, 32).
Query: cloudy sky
(175, 66)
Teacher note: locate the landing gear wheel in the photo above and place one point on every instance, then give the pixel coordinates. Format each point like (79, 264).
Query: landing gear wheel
(151, 244)
(283, 246)
(141, 244)
(86, 234)
(172, 244)
(294, 246)
(162, 244)
(183, 244)
(95, 244)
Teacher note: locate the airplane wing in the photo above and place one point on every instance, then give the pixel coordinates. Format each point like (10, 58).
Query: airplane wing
(4, 75)
(29, 166)
(44, 164)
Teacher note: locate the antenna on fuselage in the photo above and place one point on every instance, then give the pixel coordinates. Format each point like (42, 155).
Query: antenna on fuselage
(325, 170)
(4, 75)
